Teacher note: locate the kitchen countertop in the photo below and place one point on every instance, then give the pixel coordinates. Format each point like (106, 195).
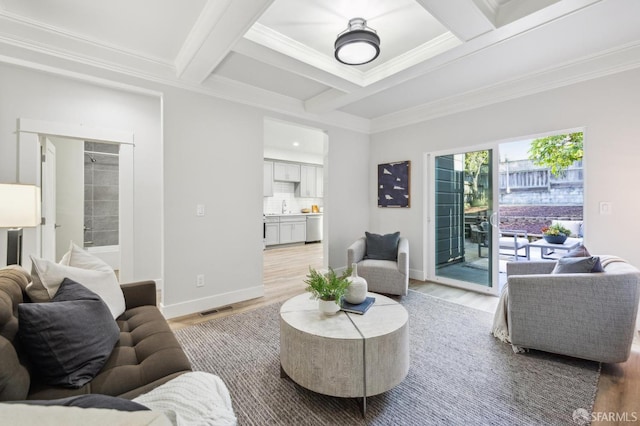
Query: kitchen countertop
(293, 214)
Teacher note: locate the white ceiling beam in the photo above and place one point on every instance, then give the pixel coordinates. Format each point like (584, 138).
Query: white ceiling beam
(462, 17)
(279, 60)
(219, 27)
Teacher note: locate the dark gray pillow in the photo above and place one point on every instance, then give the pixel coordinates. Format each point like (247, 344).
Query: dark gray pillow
(89, 401)
(382, 247)
(577, 265)
(69, 339)
(580, 251)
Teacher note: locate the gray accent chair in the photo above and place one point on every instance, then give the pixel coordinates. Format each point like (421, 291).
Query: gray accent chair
(583, 315)
(383, 276)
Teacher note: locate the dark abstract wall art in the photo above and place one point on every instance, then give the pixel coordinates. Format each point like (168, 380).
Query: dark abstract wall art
(393, 184)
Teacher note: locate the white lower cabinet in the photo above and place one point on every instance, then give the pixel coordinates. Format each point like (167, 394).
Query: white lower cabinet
(293, 229)
(271, 234)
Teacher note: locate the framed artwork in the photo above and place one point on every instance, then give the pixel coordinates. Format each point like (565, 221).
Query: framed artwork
(393, 184)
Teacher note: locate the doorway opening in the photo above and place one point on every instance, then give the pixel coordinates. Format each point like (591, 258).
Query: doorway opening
(49, 148)
(541, 183)
(500, 203)
(294, 224)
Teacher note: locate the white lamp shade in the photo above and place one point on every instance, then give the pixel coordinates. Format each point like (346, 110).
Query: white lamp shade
(19, 205)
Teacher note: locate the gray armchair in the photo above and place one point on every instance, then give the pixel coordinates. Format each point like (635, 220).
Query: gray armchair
(383, 276)
(584, 315)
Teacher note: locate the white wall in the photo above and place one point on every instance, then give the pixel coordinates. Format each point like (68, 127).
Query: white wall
(347, 192)
(607, 107)
(214, 156)
(205, 151)
(45, 97)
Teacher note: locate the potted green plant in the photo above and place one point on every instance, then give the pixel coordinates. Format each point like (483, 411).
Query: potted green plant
(555, 234)
(327, 288)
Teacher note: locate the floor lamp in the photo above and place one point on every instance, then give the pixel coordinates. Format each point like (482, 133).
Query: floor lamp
(19, 208)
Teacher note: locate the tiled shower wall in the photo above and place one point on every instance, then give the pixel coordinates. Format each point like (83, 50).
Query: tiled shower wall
(101, 193)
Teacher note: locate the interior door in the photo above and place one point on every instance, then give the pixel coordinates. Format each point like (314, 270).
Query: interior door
(462, 241)
(48, 228)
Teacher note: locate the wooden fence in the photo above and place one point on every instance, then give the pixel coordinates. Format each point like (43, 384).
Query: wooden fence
(523, 175)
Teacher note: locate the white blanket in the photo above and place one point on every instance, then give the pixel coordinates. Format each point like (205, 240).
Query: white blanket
(191, 399)
(500, 329)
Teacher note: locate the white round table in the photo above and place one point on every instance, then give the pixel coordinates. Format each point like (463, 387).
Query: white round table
(344, 355)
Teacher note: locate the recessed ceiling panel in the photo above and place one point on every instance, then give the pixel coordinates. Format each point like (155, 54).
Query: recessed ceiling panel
(402, 25)
(250, 71)
(155, 28)
(290, 137)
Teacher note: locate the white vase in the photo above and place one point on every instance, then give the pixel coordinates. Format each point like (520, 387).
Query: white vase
(357, 290)
(328, 307)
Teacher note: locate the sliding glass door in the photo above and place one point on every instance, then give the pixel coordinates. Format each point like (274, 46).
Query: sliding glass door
(461, 237)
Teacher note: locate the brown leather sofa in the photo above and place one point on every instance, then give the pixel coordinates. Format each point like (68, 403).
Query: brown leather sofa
(146, 356)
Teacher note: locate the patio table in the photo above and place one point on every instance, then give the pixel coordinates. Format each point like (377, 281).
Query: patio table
(547, 248)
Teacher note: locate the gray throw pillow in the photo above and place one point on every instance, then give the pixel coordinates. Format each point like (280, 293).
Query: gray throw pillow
(69, 339)
(577, 265)
(580, 251)
(382, 247)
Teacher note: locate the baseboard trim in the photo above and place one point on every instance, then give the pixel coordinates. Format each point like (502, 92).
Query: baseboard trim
(198, 305)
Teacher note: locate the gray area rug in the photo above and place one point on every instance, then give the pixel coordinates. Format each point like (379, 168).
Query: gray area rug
(459, 374)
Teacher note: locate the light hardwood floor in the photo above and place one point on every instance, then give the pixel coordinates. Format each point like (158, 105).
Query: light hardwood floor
(286, 268)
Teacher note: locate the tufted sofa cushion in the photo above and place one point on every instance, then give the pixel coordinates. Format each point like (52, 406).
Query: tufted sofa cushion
(14, 377)
(146, 355)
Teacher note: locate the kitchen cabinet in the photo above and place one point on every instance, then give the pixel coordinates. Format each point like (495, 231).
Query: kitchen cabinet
(287, 172)
(267, 181)
(307, 186)
(271, 234)
(319, 182)
(293, 229)
(311, 182)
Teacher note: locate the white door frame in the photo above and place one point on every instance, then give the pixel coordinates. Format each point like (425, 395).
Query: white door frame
(429, 229)
(28, 171)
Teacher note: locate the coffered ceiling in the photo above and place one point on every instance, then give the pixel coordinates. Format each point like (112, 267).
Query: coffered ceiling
(437, 57)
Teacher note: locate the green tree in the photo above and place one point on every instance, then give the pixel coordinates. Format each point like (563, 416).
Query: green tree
(473, 162)
(557, 152)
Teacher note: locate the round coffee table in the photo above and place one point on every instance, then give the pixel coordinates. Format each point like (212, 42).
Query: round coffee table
(344, 355)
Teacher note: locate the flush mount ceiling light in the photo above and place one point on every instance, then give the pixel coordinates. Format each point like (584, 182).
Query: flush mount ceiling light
(358, 44)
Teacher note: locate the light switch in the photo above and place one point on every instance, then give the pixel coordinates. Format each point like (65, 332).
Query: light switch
(200, 210)
(605, 208)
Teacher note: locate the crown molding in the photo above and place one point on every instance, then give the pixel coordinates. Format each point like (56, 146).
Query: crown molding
(51, 30)
(602, 64)
(218, 87)
(428, 50)
(274, 40)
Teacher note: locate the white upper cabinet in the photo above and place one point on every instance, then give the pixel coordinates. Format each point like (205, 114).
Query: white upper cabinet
(307, 187)
(319, 182)
(311, 185)
(287, 172)
(268, 179)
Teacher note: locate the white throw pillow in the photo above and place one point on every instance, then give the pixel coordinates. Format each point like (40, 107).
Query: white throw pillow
(80, 258)
(47, 277)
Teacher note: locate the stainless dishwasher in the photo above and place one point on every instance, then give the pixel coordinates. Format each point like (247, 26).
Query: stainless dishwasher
(314, 228)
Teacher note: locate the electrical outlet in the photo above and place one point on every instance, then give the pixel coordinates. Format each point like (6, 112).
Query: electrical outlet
(200, 210)
(200, 280)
